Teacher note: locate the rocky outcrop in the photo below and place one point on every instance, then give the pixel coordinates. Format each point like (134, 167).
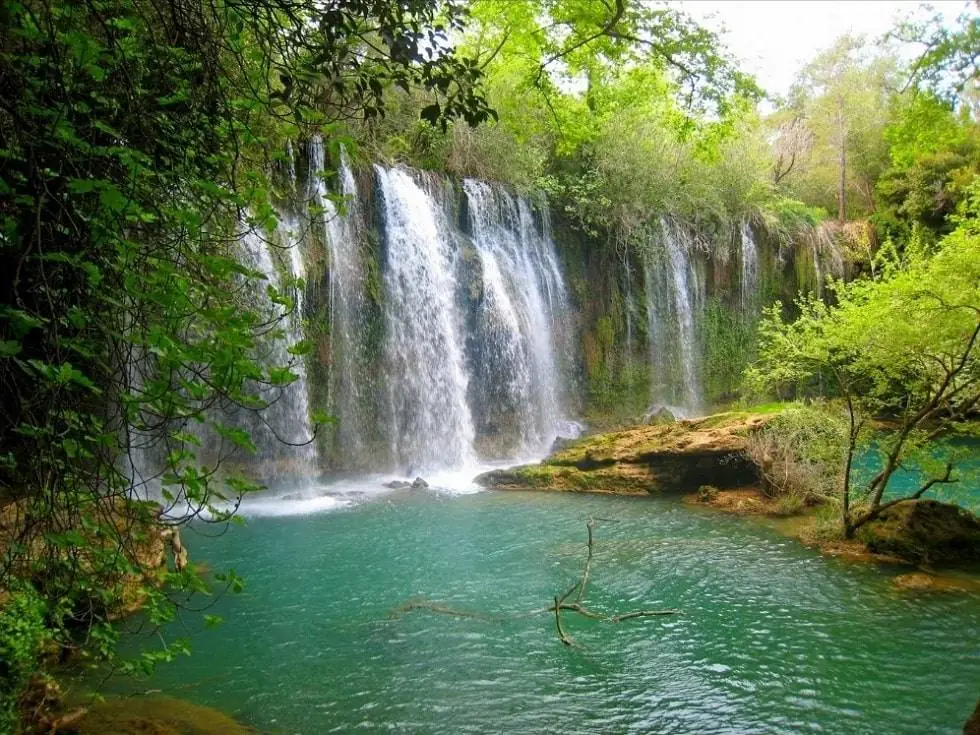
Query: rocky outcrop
(924, 532)
(677, 457)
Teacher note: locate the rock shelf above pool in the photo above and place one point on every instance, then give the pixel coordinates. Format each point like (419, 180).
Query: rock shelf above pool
(678, 456)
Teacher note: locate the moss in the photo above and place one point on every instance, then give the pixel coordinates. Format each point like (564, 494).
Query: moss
(679, 456)
(570, 479)
(157, 715)
(924, 531)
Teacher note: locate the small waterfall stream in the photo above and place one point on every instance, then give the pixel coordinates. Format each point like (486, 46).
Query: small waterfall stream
(282, 433)
(749, 283)
(429, 418)
(349, 365)
(523, 295)
(674, 295)
(684, 305)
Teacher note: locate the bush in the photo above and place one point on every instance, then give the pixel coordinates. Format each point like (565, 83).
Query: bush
(800, 455)
(22, 638)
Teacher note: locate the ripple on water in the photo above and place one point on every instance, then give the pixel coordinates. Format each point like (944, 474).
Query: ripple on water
(772, 637)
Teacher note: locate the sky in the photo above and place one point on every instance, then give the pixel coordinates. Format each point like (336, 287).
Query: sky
(774, 38)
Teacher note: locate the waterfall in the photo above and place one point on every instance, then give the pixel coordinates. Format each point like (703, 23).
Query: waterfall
(429, 420)
(684, 308)
(517, 379)
(674, 295)
(441, 321)
(749, 283)
(283, 431)
(349, 363)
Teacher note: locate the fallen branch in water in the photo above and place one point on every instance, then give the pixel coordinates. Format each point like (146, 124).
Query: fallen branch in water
(424, 604)
(559, 605)
(642, 614)
(561, 633)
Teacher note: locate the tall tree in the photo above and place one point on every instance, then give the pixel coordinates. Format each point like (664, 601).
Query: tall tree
(843, 96)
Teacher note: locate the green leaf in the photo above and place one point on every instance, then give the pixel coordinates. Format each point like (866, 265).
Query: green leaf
(9, 348)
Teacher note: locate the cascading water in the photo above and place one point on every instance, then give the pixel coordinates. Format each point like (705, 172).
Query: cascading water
(684, 305)
(516, 376)
(349, 363)
(749, 284)
(282, 433)
(673, 297)
(430, 422)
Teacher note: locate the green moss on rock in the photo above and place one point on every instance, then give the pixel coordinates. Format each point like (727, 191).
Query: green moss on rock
(924, 532)
(157, 715)
(679, 456)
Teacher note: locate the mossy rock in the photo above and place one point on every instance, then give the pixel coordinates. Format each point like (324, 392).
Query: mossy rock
(924, 532)
(716, 435)
(613, 480)
(676, 457)
(157, 715)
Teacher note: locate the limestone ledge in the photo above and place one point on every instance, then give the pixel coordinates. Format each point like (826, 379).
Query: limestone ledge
(675, 457)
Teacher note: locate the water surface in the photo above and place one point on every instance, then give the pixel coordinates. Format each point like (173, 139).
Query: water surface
(773, 638)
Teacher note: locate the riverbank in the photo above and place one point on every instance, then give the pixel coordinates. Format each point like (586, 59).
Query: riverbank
(707, 462)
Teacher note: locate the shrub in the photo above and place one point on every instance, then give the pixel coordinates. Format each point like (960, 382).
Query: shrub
(800, 454)
(22, 638)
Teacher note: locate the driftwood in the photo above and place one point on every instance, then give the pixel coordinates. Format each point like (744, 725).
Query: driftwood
(560, 604)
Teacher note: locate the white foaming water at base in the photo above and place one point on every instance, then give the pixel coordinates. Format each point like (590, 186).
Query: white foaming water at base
(285, 505)
(360, 489)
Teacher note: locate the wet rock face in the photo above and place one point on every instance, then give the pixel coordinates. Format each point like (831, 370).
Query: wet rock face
(675, 457)
(924, 532)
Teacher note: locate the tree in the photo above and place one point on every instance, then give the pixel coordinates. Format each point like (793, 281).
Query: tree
(843, 96)
(948, 62)
(935, 155)
(136, 138)
(904, 346)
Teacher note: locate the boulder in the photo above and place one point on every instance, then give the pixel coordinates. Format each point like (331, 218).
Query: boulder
(417, 484)
(155, 714)
(972, 726)
(561, 442)
(924, 532)
(660, 414)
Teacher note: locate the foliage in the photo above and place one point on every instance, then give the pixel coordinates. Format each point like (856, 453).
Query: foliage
(871, 137)
(935, 155)
(834, 119)
(902, 345)
(137, 137)
(728, 344)
(947, 64)
(22, 637)
(800, 453)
